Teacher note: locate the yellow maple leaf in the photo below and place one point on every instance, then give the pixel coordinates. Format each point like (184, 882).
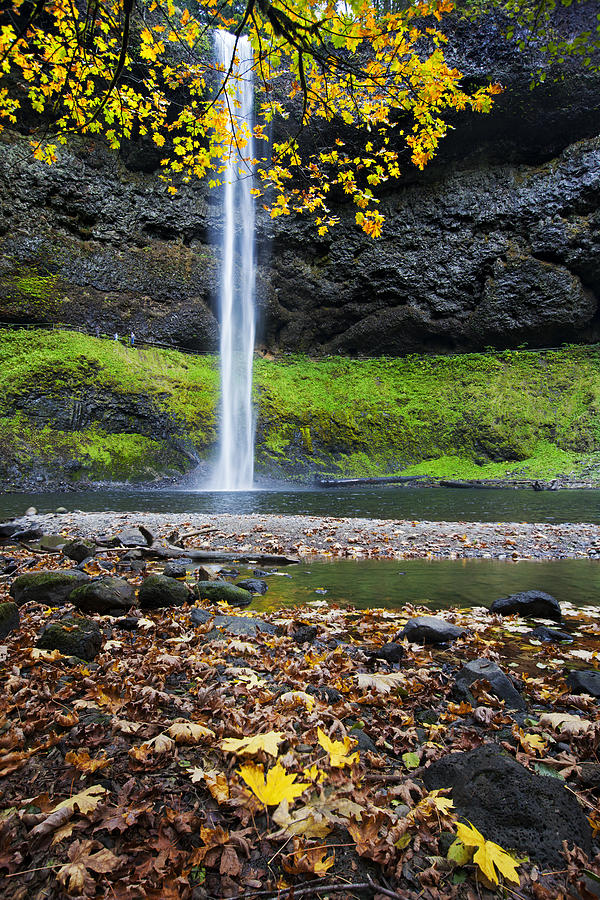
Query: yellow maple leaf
(82, 760)
(278, 784)
(532, 742)
(268, 742)
(85, 801)
(338, 750)
(488, 856)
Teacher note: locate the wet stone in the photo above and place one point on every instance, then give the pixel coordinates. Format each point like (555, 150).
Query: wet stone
(521, 811)
(550, 635)
(254, 585)
(389, 653)
(177, 568)
(159, 591)
(50, 587)
(222, 592)
(584, 681)
(72, 636)
(324, 692)
(430, 630)
(240, 625)
(529, 604)
(500, 684)
(10, 619)
(103, 595)
(78, 550)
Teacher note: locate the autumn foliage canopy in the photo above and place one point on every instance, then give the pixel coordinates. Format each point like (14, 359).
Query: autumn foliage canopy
(147, 72)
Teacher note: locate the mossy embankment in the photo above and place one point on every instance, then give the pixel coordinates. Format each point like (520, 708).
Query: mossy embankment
(77, 409)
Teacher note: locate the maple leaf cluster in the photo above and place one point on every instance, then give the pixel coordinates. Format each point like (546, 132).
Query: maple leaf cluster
(101, 68)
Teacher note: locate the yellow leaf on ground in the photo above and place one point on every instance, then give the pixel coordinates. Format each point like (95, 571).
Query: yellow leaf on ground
(189, 732)
(215, 781)
(297, 698)
(85, 801)
(313, 860)
(46, 655)
(308, 821)
(82, 760)
(338, 750)
(278, 784)
(489, 856)
(268, 743)
(533, 743)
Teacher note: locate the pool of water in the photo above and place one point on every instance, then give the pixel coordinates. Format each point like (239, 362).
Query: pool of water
(369, 501)
(438, 584)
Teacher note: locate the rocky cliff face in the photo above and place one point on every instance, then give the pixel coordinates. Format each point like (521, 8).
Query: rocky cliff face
(497, 243)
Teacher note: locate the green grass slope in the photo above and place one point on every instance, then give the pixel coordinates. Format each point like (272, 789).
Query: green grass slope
(77, 408)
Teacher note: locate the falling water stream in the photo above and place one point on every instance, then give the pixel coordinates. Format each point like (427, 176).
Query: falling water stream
(234, 470)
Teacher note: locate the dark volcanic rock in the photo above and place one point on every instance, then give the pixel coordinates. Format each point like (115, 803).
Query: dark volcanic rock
(303, 633)
(177, 568)
(160, 590)
(550, 635)
(390, 653)
(501, 685)
(430, 630)
(103, 595)
(10, 619)
(222, 592)
(530, 604)
(73, 636)
(51, 588)
(508, 804)
(584, 681)
(254, 585)
(79, 549)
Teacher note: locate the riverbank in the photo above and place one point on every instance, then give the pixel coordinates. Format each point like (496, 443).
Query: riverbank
(356, 538)
(77, 410)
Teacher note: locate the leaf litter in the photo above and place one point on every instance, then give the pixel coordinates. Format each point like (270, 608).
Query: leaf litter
(177, 766)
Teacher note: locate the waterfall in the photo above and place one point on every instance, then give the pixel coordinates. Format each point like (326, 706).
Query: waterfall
(234, 469)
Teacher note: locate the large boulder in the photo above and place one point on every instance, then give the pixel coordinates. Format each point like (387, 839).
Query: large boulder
(51, 588)
(158, 591)
(501, 685)
(103, 595)
(584, 681)
(530, 605)
(222, 592)
(430, 630)
(72, 636)
(520, 811)
(10, 619)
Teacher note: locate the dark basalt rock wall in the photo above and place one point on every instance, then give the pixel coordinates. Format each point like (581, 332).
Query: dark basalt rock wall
(496, 243)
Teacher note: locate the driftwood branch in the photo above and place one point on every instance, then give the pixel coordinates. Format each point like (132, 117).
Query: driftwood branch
(168, 551)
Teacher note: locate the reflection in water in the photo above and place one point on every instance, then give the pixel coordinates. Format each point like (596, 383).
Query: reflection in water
(439, 584)
(382, 502)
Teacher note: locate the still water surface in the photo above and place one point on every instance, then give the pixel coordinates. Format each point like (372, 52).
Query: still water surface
(438, 584)
(381, 502)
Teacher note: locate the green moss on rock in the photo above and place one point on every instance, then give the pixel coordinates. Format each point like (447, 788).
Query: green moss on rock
(10, 619)
(50, 588)
(72, 636)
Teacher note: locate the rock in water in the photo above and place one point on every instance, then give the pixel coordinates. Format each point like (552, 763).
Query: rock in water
(501, 685)
(51, 588)
(103, 596)
(177, 568)
(530, 604)
(10, 619)
(584, 681)
(72, 636)
(529, 813)
(254, 585)
(550, 635)
(222, 592)
(160, 590)
(430, 630)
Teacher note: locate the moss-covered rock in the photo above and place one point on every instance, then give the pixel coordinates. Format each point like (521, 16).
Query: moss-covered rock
(51, 588)
(72, 636)
(222, 592)
(157, 591)
(10, 619)
(104, 595)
